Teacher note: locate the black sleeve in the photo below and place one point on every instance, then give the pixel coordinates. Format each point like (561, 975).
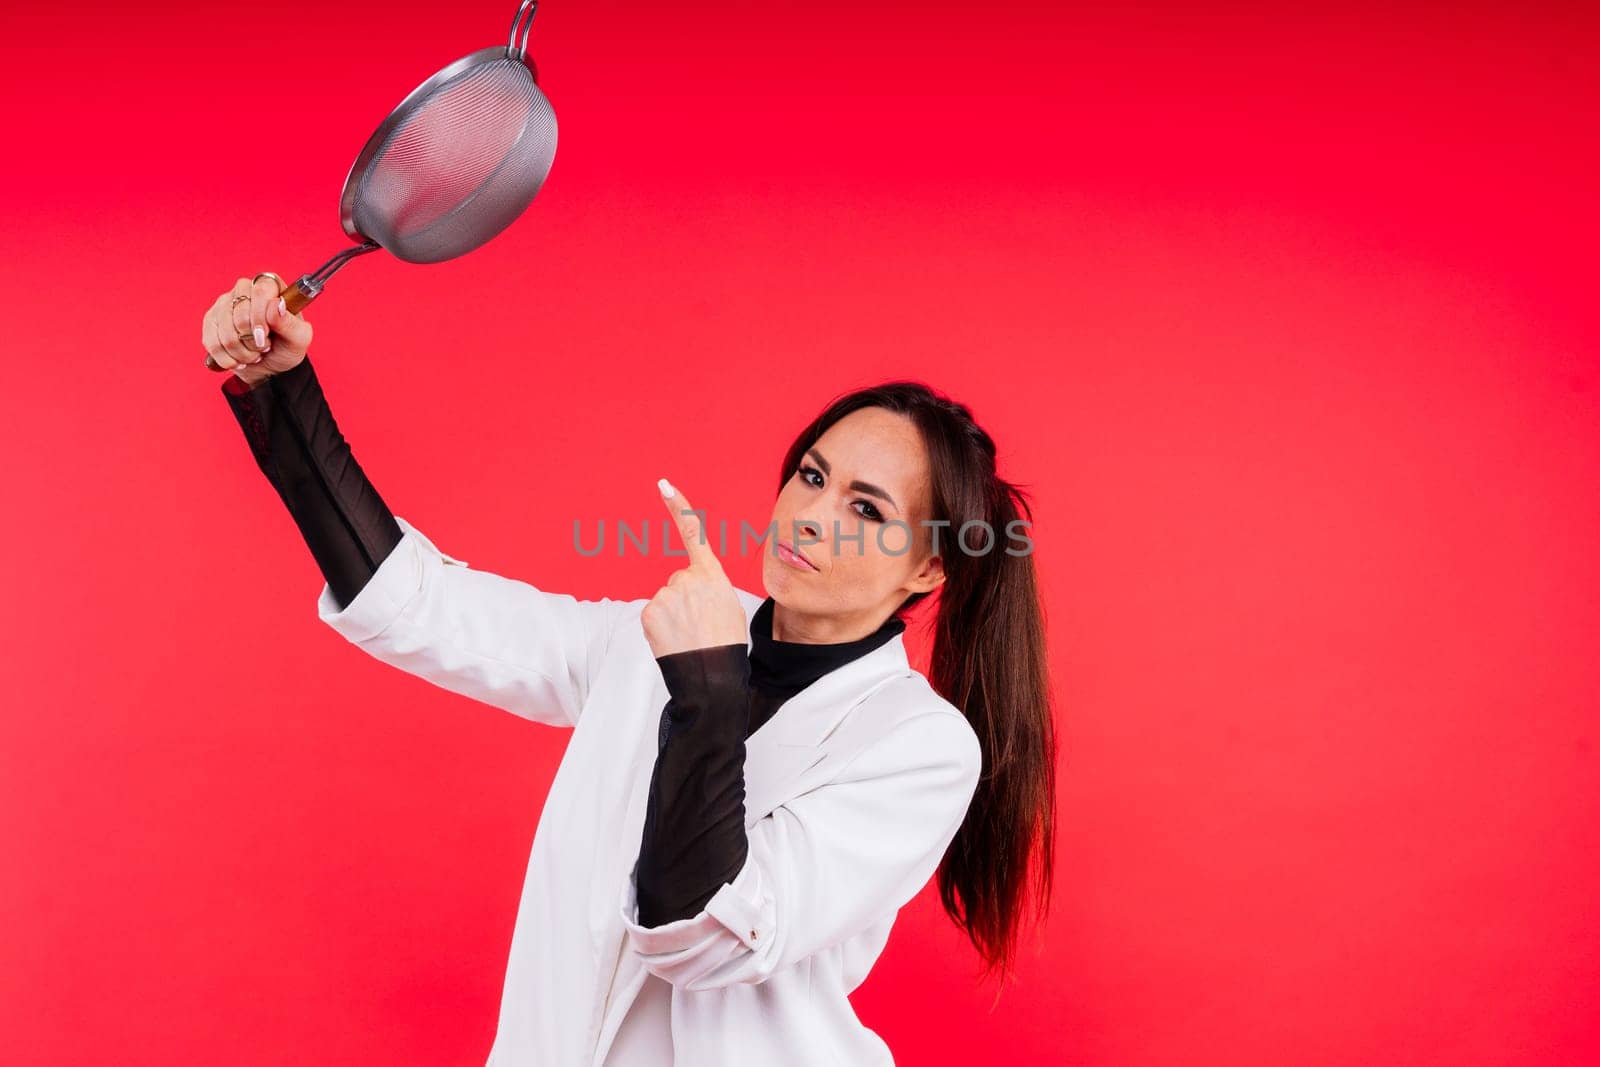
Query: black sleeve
(298, 446)
(694, 838)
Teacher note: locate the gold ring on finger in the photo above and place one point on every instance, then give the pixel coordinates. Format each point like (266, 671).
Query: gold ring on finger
(238, 299)
(274, 277)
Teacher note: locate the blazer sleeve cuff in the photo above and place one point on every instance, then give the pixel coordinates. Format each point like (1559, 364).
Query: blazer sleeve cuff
(738, 910)
(391, 588)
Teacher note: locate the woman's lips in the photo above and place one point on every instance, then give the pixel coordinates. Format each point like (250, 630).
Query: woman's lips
(793, 558)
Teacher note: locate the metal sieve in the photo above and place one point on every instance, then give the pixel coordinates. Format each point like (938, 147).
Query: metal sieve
(454, 164)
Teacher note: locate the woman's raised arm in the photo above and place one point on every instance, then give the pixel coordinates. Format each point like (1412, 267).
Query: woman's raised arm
(298, 446)
(498, 640)
(388, 589)
(274, 394)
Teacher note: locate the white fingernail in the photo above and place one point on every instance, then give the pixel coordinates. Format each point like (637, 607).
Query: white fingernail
(261, 337)
(666, 488)
(283, 309)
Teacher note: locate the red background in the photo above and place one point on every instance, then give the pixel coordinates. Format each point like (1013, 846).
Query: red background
(1287, 319)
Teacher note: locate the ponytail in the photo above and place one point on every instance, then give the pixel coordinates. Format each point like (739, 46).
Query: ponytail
(989, 659)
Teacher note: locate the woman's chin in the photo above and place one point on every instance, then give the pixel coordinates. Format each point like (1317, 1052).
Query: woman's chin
(777, 575)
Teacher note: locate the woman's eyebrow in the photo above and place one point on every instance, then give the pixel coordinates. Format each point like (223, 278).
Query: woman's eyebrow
(858, 486)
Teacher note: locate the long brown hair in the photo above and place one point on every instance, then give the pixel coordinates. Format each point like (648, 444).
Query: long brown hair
(989, 660)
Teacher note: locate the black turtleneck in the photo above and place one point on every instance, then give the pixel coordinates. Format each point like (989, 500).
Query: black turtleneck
(694, 838)
(783, 668)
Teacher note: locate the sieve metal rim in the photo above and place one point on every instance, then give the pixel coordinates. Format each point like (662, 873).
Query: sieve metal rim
(402, 110)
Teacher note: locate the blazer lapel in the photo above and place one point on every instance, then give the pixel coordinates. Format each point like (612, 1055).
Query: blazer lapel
(795, 738)
(800, 734)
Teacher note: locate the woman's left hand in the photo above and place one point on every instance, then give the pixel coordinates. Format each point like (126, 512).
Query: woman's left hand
(698, 607)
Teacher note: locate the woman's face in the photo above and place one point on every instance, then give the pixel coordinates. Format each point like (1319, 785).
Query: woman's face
(856, 508)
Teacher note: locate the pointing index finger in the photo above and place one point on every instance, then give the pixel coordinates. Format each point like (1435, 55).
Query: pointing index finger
(690, 524)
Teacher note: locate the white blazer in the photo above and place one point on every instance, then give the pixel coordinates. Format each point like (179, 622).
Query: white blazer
(853, 790)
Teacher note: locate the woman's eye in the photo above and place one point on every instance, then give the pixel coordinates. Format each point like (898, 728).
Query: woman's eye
(805, 473)
(876, 516)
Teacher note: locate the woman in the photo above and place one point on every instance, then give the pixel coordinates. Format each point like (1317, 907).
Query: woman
(754, 786)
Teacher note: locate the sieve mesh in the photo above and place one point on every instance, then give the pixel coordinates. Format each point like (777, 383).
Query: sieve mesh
(460, 166)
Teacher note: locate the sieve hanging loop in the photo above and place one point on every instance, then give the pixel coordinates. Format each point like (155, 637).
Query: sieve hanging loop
(513, 49)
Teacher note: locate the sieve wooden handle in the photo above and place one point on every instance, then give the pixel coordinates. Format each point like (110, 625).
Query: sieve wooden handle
(294, 297)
